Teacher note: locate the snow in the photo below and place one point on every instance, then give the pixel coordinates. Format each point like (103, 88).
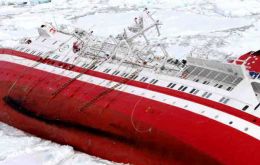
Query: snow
(214, 29)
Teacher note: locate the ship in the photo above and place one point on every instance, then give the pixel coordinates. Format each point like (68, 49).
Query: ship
(125, 98)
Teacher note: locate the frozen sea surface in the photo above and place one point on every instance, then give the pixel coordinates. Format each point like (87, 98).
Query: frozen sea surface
(210, 28)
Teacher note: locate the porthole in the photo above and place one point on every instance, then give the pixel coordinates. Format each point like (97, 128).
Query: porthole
(246, 129)
(231, 122)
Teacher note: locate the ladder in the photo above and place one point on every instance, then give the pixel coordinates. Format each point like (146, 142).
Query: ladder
(100, 95)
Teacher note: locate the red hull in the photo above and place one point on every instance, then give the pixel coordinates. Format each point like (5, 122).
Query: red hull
(162, 134)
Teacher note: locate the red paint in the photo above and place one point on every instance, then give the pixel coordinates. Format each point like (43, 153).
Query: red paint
(175, 136)
(219, 106)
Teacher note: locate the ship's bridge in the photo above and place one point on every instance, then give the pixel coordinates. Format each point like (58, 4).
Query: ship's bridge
(213, 72)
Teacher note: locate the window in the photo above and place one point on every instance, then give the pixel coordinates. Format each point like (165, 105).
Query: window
(245, 107)
(204, 94)
(27, 50)
(180, 88)
(154, 81)
(229, 88)
(54, 42)
(225, 101)
(222, 99)
(143, 79)
(173, 85)
(125, 75)
(169, 84)
(40, 53)
(92, 67)
(116, 72)
(184, 89)
(106, 70)
(208, 95)
(67, 59)
(215, 85)
(135, 77)
(220, 86)
(44, 40)
(196, 92)
(33, 52)
(192, 90)
(56, 56)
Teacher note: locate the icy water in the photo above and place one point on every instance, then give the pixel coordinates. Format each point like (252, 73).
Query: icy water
(214, 29)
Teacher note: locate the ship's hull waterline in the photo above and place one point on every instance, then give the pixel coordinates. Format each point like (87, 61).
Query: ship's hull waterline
(115, 127)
